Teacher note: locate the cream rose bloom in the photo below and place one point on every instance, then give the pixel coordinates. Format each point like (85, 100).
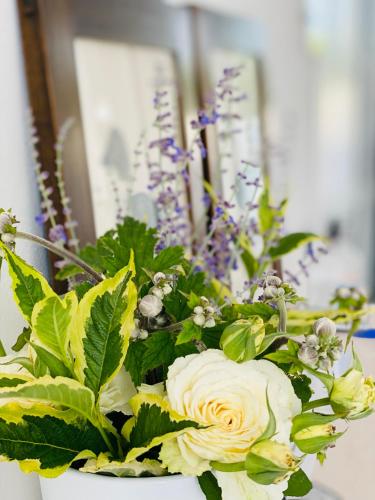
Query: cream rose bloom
(231, 399)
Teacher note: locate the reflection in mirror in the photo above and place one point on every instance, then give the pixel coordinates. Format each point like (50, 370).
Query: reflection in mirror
(116, 103)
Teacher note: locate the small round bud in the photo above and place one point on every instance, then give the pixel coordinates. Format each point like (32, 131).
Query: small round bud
(312, 341)
(209, 310)
(158, 292)
(204, 301)
(343, 293)
(270, 292)
(308, 355)
(5, 220)
(8, 238)
(158, 277)
(210, 323)
(199, 319)
(167, 289)
(273, 281)
(355, 295)
(324, 327)
(198, 310)
(143, 334)
(150, 306)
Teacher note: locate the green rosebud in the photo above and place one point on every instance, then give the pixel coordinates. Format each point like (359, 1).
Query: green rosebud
(242, 339)
(270, 462)
(313, 432)
(353, 394)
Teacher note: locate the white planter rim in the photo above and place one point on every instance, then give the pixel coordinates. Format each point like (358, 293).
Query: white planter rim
(170, 478)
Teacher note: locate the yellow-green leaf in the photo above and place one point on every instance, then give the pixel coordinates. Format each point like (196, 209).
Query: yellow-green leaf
(29, 286)
(101, 335)
(52, 324)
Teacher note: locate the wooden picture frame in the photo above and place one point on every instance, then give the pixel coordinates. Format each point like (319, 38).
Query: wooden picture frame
(49, 30)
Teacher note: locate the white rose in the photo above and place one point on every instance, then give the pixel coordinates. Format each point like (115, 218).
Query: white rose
(230, 398)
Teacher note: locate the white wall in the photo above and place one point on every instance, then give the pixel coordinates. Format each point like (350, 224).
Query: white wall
(17, 190)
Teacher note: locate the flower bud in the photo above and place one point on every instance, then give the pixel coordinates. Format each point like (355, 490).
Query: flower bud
(343, 293)
(352, 394)
(312, 432)
(150, 306)
(167, 289)
(273, 281)
(308, 355)
(8, 238)
(199, 319)
(270, 462)
(5, 221)
(158, 292)
(270, 292)
(324, 327)
(198, 310)
(210, 323)
(241, 340)
(158, 277)
(312, 341)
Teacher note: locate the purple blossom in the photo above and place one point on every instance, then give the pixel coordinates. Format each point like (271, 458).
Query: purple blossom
(57, 233)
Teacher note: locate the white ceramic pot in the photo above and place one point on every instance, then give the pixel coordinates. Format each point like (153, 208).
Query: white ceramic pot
(74, 485)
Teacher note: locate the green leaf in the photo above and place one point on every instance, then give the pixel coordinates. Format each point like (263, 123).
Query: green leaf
(167, 258)
(68, 271)
(48, 445)
(2, 350)
(299, 485)
(152, 422)
(21, 360)
(59, 391)
(250, 263)
(22, 339)
(12, 380)
(265, 211)
(209, 486)
(52, 321)
(258, 309)
(134, 360)
(291, 242)
(55, 366)
(162, 351)
(176, 303)
(101, 335)
(29, 286)
(190, 331)
(301, 386)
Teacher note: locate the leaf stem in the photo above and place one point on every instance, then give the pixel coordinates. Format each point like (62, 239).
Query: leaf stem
(230, 467)
(283, 315)
(315, 404)
(61, 252)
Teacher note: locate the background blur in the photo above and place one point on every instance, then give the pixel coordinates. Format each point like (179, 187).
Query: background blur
(318, 58)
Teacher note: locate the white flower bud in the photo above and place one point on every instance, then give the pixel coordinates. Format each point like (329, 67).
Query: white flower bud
(209, 310)
(158, 292)
(273, 281)
(343, 293)
(8, 238)
(355, 295)
(325, 364)
(143, 334)
(210, 323)
(167, 289)
(308, 355)
(204, 301)
(270, 292)
(150, 306)
(324, 327)
(198, 310)
(199, 319)
(158, 277)
(5, 219)
(312, 341)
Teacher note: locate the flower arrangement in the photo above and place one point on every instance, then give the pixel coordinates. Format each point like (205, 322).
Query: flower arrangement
(150, 366)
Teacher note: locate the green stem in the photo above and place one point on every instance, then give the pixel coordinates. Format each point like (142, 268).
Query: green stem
(61, 252)
(316, 404)
(106, 439)
(283, 315)
(233, 467)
